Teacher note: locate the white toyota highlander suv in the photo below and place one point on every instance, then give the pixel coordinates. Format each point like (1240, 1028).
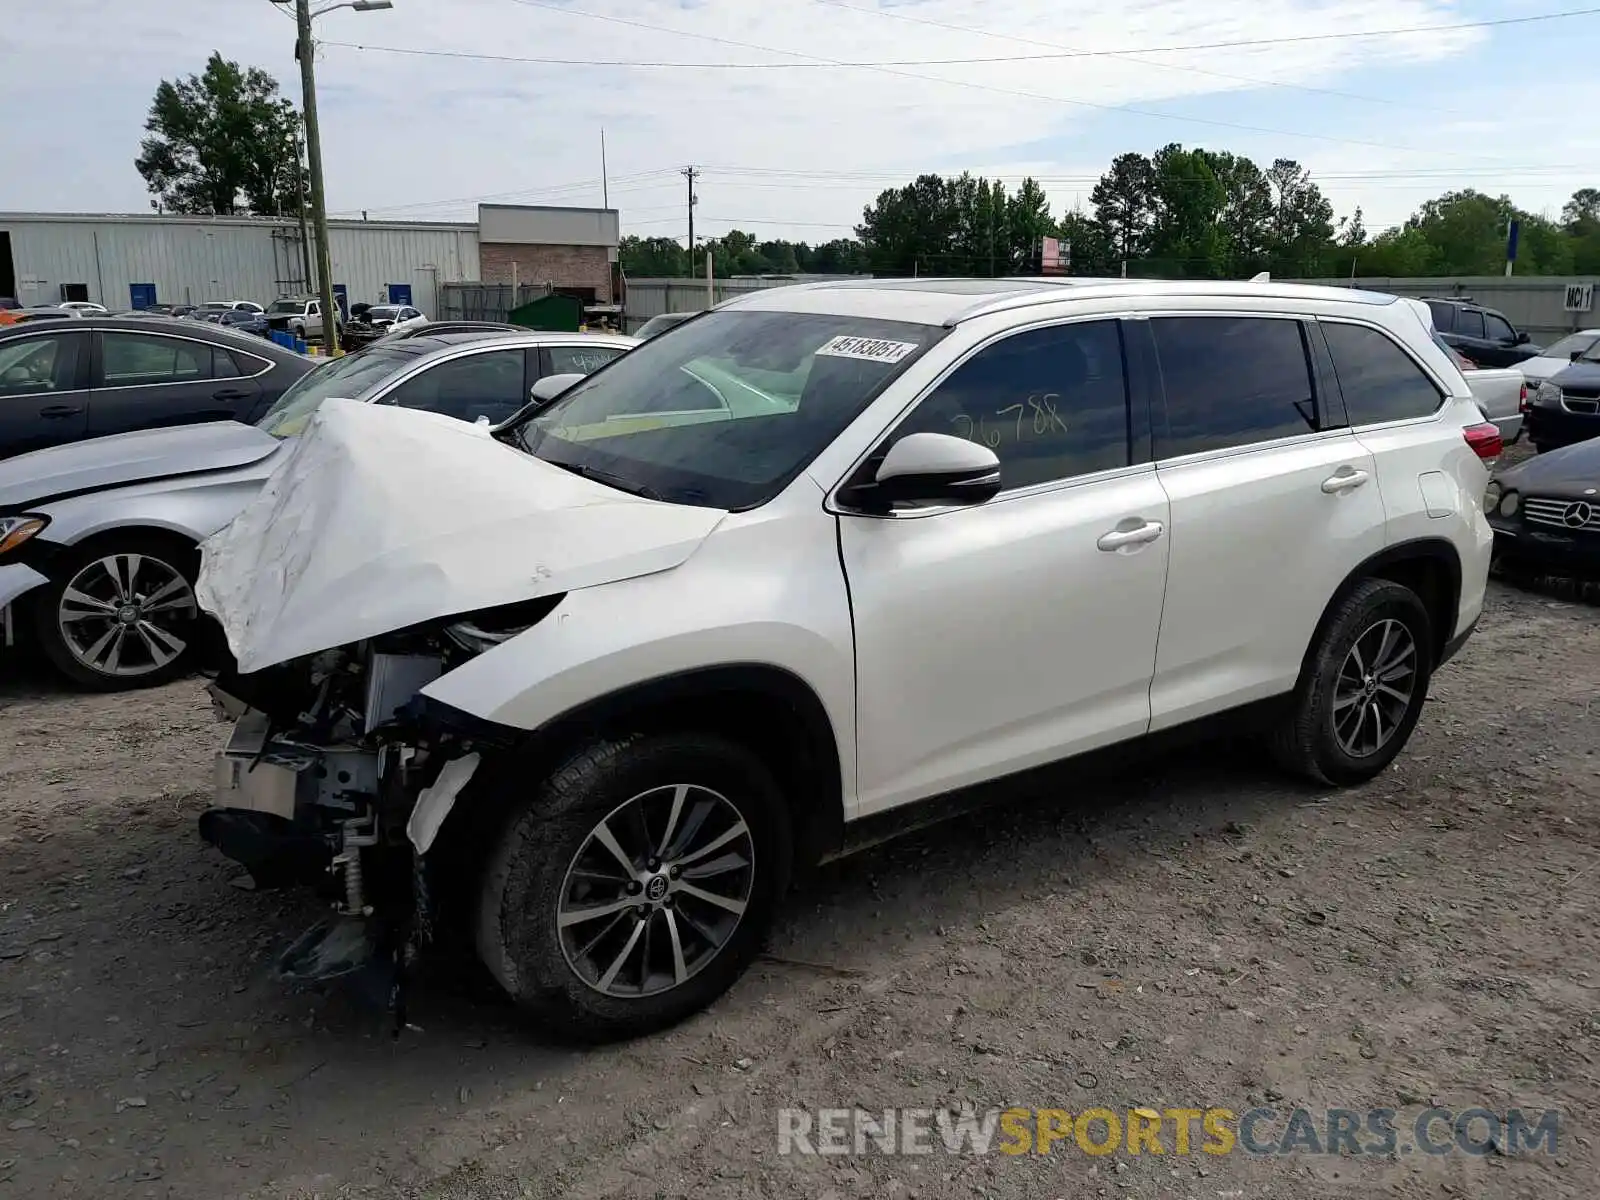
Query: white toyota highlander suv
(581, 691)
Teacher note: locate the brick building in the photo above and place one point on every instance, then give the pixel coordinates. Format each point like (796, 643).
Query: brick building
(572, 250)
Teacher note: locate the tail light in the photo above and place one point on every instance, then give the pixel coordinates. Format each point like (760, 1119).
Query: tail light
(1522, 403)
(1484, 440)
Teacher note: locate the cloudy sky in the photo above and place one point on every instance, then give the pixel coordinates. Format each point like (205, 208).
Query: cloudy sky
(436, 104)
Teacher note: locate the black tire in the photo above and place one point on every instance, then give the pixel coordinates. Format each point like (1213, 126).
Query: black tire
(171, 554)
(1306, 741)
(525, 879)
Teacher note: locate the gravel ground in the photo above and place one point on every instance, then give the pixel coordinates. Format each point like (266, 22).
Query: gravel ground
(1199, 935)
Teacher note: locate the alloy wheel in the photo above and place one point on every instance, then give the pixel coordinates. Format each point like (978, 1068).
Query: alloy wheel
(121, 615)
(1374, 689)
(656, 890)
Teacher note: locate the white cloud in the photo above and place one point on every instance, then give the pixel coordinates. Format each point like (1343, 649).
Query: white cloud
(399, 129)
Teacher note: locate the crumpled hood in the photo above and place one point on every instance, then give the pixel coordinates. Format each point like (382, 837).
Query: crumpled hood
(125, 458)
(382, 517)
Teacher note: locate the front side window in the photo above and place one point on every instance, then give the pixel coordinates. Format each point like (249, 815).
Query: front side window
(38, 364)
(1469, 323)
(1051, 403)
(1499, 328)
(351, 377)
(580, 360)
(1379, 380)
(135, 359)
(726, 411)
(488, 384)
(1233, 381)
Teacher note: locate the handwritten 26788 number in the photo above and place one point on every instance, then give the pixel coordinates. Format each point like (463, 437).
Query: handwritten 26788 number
(1035, 417)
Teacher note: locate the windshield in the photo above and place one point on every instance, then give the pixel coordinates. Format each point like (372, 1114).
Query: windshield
(728, 409)
(1577, 343)
(350, 377)
(286, 306)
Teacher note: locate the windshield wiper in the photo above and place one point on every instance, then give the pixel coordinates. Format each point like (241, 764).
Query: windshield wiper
(608, 478)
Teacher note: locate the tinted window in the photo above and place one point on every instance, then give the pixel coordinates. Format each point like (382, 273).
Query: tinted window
(1499, 329)
(222, 364)
(351, 377)
(1051, 403)
(1379, 380)
(38, 364)
(1444, 315)
(480, 385)
(137, 358)
(580, 360)
(1233, 381)
(1469, 323)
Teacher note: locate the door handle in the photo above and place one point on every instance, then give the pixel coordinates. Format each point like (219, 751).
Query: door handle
(1119, 538)
(1344, 480)
(230, 394)
(54, 411)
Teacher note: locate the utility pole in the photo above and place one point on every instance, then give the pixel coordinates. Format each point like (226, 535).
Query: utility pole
(691, 173)
(305, 50)
(605, 185)
(300, 200)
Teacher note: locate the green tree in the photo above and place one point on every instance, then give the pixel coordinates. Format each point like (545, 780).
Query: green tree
(1398, 252)
(912, 230)
(1125, 205)
(1028, 222)
(1301, 229)
(221, 143)
(842, 256)
(1089, 247)
(1186, 236)
(1246, 216)
(652, 258)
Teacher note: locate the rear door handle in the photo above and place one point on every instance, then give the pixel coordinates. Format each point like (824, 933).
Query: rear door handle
(1119, 538)
(53, 411)
(1343, 480)
(230, 394)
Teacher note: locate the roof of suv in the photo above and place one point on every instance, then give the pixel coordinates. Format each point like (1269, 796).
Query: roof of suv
(949, 301)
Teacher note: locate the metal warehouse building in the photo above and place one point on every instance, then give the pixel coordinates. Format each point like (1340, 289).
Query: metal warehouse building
(132, 261)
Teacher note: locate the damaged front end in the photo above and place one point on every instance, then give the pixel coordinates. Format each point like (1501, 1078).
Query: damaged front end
(338, 775)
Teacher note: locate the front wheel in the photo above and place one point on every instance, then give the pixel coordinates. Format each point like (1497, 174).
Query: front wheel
(636, 885)
(1362, 689)
(121, 613)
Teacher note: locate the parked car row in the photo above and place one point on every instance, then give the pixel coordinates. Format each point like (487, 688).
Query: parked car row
(98, 538)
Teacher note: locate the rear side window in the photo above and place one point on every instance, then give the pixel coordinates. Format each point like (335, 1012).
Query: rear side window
(1051, 403)
(1233, 381)
(1499, 328)
(1444, 315)
(135, 358)
(1379, 380)
(1470, 323)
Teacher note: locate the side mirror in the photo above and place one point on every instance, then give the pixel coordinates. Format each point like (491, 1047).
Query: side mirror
(1522, 339)
(552, 386)
(937, 468)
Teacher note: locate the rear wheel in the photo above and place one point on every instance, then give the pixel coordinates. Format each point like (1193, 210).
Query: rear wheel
(121, 613)
(636, 884)
(1362, 691)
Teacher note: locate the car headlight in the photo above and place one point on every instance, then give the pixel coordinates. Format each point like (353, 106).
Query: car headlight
(1548, 395)
(1509, 504)
(16, 530)
(486, 629)
(1491, 496)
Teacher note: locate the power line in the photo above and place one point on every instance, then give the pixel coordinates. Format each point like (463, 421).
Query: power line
(1113, 108)
(815, 62)
(525, 193)
(1133, 57)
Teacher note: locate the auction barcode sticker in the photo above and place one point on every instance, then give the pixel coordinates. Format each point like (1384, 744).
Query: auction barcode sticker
(871, 349)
